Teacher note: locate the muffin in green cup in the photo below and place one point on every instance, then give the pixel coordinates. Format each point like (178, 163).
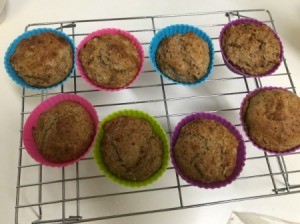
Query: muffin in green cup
(132, 148)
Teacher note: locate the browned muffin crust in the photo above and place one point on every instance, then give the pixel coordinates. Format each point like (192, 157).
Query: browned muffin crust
(252, 48)
(130, 149)
(110, 60)
(183, 57)
(43, 60)
(272, 119)
(206, 151)
(64, 132)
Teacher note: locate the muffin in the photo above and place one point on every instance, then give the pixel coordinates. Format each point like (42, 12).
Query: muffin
(182, 53)
(251, 47)
(132, 148)
(64, 132)
(207, 151)
(110, 59)
(183, 57)
(43, 59)
(61, 130)
(271, 119)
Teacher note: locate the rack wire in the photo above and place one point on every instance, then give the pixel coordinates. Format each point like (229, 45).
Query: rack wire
(71, 194)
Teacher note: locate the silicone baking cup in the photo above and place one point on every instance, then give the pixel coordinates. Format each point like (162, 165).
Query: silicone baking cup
(157, 128)
(234, 68)
(46, 105)
(241, 150)
(248, 96)
(183, 29)
(100, 33)
(11, 49)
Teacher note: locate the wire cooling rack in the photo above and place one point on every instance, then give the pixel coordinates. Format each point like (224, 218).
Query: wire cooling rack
(81, 193)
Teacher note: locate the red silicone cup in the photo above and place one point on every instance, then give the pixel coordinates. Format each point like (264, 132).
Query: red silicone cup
(241, 150)
(249, 95)
(32, 120)
(234, 68)
(102, 32)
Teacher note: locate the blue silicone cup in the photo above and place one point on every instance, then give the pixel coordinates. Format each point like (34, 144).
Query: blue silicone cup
(183, 29)
(12, 47)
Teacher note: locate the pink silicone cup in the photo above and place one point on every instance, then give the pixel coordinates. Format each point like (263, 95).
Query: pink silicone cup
(31, 122)
(245, 129)
(102, 32)
(230, 65)
(241, 150)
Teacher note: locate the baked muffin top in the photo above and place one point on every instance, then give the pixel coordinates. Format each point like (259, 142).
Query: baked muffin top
(252, 48)
(43, 60)
(183, 57)
(130, 149)
(64, 132)
(272, 119)
(206, 151)
(110, 60)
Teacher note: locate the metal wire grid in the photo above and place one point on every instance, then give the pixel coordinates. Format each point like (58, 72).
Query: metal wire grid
(33, 185)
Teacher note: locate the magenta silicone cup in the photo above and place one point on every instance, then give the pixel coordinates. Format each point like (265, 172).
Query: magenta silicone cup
(249, 95)
(103, 32)
(241, 150)
(234, 68)
(32, 120)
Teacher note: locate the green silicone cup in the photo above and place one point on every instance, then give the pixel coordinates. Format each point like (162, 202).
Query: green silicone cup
(157, 128)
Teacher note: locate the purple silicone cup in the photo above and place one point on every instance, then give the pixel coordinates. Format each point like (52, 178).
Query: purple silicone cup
(248, 96)
(241, 150)
(234, 68)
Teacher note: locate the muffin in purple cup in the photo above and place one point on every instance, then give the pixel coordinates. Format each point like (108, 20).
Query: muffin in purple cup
(250, 47)
(207, 151)
(271, 119)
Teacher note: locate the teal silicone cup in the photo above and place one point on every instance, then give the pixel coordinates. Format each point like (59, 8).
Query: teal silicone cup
(11, 49)
(183, 29)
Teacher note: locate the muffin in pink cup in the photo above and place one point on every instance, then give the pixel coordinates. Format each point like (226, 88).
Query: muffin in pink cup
(207, 151)
(109, 59)
(61, 130)
(270, 117)
(250, 47)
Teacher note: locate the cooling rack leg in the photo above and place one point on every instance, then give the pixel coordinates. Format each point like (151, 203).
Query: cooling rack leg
(40, 190)
(285, 168)
(271, 174)
(63, 184)
(284, 173)
(77, 193)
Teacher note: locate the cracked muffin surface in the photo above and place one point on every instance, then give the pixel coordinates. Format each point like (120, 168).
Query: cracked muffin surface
(43, 60)
(130, 149)
(272, 119)
(110, 60)
(64, 132)
(183, 57)
(252, 48)
(206, 151)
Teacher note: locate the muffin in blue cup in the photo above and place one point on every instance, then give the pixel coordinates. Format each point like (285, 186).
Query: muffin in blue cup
(40, 59)
(182, 53)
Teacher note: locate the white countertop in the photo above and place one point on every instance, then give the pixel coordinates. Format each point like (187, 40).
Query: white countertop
(20, 13)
